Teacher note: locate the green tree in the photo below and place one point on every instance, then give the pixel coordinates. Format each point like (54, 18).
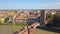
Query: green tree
(55, 22)
(7, 18)
(0, 22)
(50, 16)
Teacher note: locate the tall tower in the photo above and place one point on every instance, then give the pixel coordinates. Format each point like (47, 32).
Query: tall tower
(42, 17)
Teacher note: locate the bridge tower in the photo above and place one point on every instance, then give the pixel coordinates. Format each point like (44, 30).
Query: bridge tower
(42, 17)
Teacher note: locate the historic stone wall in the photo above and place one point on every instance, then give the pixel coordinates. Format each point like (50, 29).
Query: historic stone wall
(28, 29)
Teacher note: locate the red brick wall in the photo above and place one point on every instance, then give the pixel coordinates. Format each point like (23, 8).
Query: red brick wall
(28, 29)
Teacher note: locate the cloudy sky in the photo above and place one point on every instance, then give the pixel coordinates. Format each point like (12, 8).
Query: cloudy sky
(29, 4)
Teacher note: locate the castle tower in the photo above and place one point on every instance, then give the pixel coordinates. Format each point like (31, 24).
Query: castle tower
(42, 17)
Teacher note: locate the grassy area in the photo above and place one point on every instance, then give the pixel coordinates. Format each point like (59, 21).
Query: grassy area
(39, 31)
(10, 29)
(20, 24)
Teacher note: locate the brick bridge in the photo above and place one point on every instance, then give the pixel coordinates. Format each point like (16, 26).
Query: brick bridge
(31, 28)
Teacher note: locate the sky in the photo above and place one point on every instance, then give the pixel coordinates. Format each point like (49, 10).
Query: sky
(29, 4)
